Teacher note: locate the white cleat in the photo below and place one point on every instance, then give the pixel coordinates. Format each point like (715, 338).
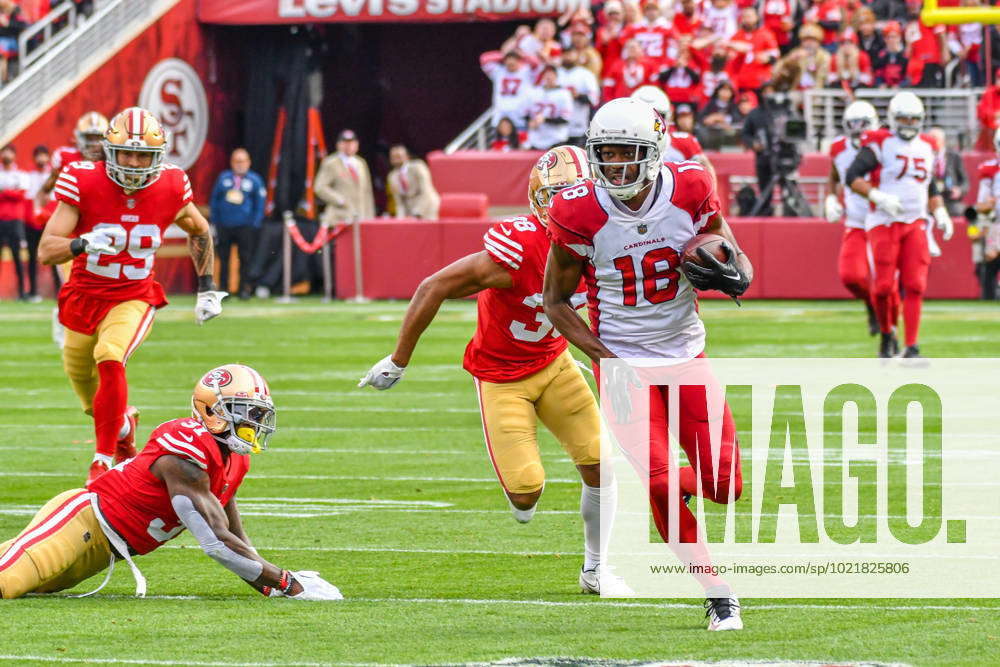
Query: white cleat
(723, 613)
(58, 333)
(521, 516)
(595, 580)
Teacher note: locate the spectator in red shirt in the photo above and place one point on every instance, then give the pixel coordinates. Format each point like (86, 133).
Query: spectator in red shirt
(653, 33)
(777, 15)
(829, 14)
(755, 52)
(688, 20)
(632, 71)
(13, 197)
(850, 67)
(539, 44)
(716, 73)
(891, 64)
(926, 47)
(681, 81)
(607, 40)
(988, 112)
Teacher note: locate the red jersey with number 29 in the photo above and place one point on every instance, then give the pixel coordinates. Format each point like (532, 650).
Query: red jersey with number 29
(137, 504)
(640, 303)
(134, 221)
(514, 338)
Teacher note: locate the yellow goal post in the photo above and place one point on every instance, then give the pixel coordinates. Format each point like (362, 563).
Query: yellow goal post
(934, 15)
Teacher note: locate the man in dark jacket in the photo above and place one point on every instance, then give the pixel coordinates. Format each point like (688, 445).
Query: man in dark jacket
(236, 210)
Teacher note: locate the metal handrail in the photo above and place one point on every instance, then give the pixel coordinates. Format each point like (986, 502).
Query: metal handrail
(50, 33)
(474, 136)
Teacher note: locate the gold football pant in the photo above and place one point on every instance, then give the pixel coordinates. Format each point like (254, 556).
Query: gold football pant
(559, 396)
(117, 336)
(62, 546)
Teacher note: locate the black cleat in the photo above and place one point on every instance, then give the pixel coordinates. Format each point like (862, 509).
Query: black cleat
(873, 327)
(912, 352)
(723, 613)
(888, 346)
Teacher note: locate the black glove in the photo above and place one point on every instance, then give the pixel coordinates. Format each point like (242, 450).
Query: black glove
(726, 277)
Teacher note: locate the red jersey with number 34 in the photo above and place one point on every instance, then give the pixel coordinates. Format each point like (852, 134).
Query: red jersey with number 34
(137, 504)
(135, 222)
(514, 338)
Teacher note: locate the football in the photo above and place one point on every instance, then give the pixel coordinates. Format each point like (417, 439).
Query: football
(713, 243)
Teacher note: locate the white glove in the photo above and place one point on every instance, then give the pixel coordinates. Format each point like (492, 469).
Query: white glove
(314, 587)
(944, 223)
(618, 386)
(886, 201)
(832, 208)
(98, 242)
(383, 375)
(208, 305)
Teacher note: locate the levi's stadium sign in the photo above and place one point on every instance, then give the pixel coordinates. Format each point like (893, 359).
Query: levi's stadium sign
(265, 12)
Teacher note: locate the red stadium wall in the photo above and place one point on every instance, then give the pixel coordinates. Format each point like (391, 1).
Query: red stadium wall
(117, 83)
(793, 259)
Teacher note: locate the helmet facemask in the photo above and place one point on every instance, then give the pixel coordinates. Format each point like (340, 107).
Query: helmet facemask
(855, 127)
(244, 425)
(90, 145)
(133, 178)
(646, 159)
(907, 131)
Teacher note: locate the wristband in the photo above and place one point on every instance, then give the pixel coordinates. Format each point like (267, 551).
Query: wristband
(205, 283)
(286, 581)
(77, 246)
(265, 591)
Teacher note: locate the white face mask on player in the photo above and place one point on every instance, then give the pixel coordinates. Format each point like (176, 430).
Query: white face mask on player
(625, 122)
(906, 115)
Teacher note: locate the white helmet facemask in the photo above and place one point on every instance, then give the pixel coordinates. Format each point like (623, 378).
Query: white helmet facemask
(626, 122)
(906, 105)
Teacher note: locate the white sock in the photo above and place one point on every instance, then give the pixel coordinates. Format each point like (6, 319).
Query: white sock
(125, 429)
(590, 510)
(522, 516)
(103, 458)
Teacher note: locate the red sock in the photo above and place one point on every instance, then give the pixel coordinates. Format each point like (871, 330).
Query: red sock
(884, 312)
(689, 551)
(912, 304)
(110, 404)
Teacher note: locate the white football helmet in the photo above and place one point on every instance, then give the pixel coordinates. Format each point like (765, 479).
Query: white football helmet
(906, 106)
(626, 121)
(656, 98)
(859, 117)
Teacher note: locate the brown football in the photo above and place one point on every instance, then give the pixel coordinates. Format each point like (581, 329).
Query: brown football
(713, 243)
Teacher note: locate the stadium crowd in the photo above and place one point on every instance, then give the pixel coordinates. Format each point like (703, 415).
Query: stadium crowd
(16, 16)
(712, 57)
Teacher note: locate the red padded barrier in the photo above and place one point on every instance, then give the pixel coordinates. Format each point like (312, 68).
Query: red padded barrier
(793, 259)
(464, 205)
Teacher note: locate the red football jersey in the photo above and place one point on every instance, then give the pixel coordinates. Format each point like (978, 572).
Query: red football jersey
(137, 504)
(64, 155)
(514, 338)
(134, 221)
(680, 147)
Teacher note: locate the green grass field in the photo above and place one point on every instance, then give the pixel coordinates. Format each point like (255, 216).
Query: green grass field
(391, 496)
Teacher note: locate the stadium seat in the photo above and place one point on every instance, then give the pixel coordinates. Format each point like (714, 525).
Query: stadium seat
(464, 205)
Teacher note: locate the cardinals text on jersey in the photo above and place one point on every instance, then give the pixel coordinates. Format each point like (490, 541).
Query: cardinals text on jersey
(905, 170)
(514, 338)
(856, 207)
(135, 222)
(136, 504)
(640, 303)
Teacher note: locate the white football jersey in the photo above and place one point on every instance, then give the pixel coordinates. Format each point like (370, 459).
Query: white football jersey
(578, 81)
(640, 303)
(510, 92)
(905, 170)
(548, 103)
(723, 22)
(989, 183)
(856, 207)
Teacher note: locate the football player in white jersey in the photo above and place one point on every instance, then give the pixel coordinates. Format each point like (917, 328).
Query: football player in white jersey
(625, 232)
(842, 203)
(677, 146)
(899, 163)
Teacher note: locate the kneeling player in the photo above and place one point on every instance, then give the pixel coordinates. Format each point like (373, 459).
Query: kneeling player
(186, 477)
(521, 365)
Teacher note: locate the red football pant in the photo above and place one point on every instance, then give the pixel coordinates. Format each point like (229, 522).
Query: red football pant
(901, 248)
(852, 264)
(110, 404)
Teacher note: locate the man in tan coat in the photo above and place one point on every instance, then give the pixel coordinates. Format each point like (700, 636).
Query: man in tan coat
(411, 186)
(345, 184)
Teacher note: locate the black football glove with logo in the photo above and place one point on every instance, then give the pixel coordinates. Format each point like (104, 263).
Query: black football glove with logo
(726, 276)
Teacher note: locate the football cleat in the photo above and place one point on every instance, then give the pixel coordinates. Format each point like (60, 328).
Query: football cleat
(723, 614)
(912, 352)
(521, 516)
(595, 580)
(888, 346)
(873, 327)
(125, 447)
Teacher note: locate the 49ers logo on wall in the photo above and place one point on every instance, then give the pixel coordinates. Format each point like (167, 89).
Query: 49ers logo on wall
(173, 92)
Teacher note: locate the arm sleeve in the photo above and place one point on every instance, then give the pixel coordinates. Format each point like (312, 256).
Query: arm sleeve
(932, 189)
(241, 566)
(864, 163)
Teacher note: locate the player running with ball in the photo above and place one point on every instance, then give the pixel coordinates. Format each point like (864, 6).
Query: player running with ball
(624, 233)
(522, 368)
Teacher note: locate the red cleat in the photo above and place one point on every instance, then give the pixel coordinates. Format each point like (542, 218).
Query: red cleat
(125, 448)
(97, 468)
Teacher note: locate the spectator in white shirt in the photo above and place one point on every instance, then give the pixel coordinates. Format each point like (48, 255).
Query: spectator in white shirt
(585, 92)
(549, 109)
(512, 83)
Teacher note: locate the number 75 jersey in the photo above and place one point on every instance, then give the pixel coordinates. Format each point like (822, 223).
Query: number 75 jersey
(905, 170)
(514, 338)
(135, 223)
